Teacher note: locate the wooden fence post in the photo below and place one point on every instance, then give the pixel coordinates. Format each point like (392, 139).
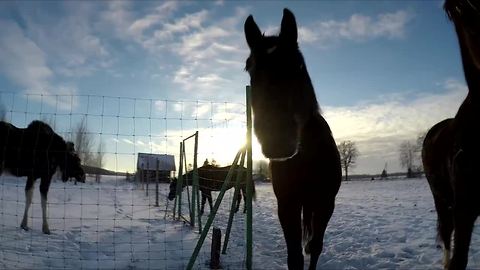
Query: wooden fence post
(215, 250)
(156, 183)
(147, 176)
(142, 172)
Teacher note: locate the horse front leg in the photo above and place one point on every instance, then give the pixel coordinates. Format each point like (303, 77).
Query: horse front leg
(464, 221)
(44, 186)
(289, 214)
(238, 201)
(204, 200)
(28, 201)
(209, 198)
(321, 217)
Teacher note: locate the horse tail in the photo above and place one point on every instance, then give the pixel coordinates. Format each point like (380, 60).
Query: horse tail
(307, 227)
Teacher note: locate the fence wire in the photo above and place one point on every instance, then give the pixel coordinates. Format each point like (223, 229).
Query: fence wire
(109, 221)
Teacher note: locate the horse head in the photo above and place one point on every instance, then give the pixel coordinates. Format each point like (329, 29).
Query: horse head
(465, 14)
(71, 167)
(283, 98)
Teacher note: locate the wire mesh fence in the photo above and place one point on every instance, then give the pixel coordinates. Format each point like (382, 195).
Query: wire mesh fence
(115, 219)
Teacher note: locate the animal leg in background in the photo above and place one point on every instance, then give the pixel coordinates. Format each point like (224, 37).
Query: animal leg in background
(208, 194)
(204, 200)
(28, 201)
(44, 186)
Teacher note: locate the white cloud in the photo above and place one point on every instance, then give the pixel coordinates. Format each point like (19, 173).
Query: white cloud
(182, 25)
(128, 141)
(25, 64)
(159, 14)
(21, 59)
(117, 17)
(202, 110)
(357, 28)
(206, 49)
(379, 127)
(70, 43)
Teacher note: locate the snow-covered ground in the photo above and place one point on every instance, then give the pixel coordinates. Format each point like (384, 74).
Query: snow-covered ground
(376, 225)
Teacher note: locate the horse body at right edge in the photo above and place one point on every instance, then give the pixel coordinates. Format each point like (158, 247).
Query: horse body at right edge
(451, 147)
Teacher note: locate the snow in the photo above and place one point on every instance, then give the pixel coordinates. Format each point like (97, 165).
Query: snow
(376, 225)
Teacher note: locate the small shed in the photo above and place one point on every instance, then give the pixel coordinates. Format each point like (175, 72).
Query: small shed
(147, 166)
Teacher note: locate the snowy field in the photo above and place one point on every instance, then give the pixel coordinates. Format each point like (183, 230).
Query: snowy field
(376, 225)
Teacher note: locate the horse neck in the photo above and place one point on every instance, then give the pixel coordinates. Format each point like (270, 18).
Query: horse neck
(472, 73)
(316, 131)
(188, 179)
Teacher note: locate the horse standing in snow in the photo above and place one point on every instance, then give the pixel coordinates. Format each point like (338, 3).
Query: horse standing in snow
(304, 158)
(451, 147)
(36, 152)
(211, 178)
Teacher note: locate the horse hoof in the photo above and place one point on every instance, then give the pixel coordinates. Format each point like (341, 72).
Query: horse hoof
(46, 231)
(24, 227)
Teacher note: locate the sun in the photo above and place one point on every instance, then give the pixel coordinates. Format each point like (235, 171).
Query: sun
(223, 144)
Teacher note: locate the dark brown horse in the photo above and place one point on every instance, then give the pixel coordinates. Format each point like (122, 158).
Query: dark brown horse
(211, 178)
(304, 159)
(451, 147)
(36, 152)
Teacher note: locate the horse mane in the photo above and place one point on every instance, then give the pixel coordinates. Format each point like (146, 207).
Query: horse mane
(456, 7)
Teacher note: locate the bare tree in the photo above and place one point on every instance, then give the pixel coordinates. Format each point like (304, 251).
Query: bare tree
(348, 155)
(408, 156)
(98, 160)
(83, 142)
(411, 155)
(418, 150)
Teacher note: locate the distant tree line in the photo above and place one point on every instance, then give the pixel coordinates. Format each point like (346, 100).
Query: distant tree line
(85, 145)
(411, 155)
(348, 155)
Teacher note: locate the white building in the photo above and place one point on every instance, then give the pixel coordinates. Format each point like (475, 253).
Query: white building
(147, 166)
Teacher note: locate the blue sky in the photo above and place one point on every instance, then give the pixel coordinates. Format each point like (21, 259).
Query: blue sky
(383, 71)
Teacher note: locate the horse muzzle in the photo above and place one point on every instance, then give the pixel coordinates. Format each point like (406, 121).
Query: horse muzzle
(279, 152)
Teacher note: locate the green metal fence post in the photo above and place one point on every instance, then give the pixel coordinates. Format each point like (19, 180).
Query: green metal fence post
(240, 174)
(249, 180)
(196, 186)
(213, 212)
(178, 198)
(186, 183)
(156, 182)
(194, 183)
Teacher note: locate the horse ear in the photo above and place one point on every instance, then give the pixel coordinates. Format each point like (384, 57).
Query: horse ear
(252, 32)
(288, 29)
